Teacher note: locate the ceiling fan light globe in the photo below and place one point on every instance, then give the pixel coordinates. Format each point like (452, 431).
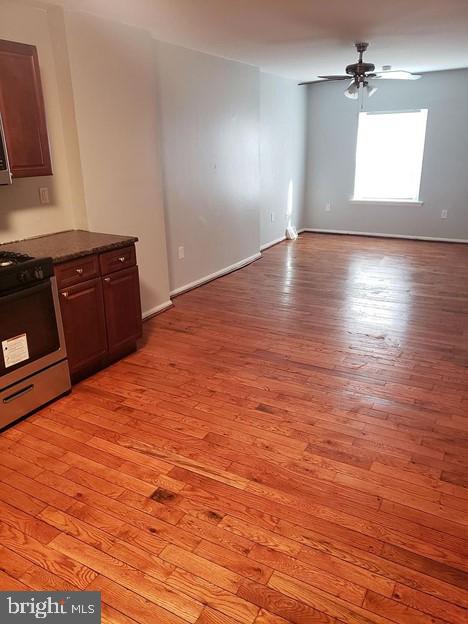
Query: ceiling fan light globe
(370, 90)
(352, 92)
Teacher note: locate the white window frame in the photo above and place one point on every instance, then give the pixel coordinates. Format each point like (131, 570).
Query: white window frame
(415, 200)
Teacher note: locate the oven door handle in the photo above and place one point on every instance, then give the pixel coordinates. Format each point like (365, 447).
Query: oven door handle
(18, 394)
(5, 173)
(27, 289)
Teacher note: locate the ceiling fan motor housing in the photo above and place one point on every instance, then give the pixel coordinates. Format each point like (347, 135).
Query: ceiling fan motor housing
(359, 69)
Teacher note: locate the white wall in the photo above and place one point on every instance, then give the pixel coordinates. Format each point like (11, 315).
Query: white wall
(282, 155)
(209, 115)
(21, 214)
(114, 83)
(331, 156)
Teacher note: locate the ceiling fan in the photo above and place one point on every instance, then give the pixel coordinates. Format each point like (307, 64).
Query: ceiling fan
(361, 72)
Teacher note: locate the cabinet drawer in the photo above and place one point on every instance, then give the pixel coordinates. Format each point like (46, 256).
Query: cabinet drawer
(117, 259)
(76, 271)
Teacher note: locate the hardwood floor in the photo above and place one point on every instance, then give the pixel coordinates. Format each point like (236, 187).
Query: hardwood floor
(289, 445)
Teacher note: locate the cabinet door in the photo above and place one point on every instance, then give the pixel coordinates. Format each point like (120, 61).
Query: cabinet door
(84, 324)
(22, 109)
(123, 309)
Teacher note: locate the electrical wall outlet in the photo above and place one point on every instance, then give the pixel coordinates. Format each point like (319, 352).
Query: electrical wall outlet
(328, 207)
(444, 214)
(272, 217)
(44, 195)
(181, 253)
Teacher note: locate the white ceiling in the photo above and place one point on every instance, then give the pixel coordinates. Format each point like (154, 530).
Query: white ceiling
(301, 39)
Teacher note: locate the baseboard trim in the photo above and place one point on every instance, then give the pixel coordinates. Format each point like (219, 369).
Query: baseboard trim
(213, 276)
(381, 235)
(148, 314)
(272, 243)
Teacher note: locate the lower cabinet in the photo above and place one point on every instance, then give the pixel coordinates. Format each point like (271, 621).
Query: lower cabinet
(123, 309)
(101, 316)
(84, 324)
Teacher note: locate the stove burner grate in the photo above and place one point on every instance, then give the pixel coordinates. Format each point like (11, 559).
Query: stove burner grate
(9, 258)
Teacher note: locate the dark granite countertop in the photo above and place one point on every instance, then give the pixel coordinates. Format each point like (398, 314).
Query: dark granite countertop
(68, 245)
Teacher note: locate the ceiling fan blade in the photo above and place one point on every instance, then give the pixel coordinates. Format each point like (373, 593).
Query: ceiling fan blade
(322, 78)
(396, 75)
(341, 77)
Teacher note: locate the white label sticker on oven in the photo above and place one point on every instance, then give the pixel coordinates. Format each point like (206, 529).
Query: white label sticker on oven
(15, 350)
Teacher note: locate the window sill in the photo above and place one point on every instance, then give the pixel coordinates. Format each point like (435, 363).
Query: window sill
(388, 202)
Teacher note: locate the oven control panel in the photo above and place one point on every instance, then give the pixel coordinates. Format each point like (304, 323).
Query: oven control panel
(34, 274)
(23, 273)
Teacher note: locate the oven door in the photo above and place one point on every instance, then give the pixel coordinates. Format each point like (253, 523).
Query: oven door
(31, 332)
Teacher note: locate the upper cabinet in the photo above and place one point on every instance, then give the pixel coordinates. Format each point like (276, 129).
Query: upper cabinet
(22, 110)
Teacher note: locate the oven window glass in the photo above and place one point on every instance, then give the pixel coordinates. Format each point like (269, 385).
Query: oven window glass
(30, 315)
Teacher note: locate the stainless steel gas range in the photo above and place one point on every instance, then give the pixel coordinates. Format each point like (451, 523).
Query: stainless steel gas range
(33, 358)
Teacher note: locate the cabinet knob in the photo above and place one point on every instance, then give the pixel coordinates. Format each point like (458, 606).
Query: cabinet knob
(122, 259)
(64, 294)
(107, 279)
(79, 271)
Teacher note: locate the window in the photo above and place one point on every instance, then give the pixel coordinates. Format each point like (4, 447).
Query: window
(389, 156)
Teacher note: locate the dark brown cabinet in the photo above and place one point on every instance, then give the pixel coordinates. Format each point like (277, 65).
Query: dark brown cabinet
(123, 310)
(101, 312)
(22, 110)
(84, 324)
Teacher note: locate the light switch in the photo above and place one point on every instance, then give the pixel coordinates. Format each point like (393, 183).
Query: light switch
(44, 195)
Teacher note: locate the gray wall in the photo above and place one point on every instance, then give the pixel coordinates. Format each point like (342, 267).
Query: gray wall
(233, 145)
(332, 133)
(282, 155)
(209, 113)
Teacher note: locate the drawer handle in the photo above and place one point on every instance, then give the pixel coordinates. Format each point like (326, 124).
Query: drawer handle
(79, 271)
(64, 294)
(107, 280)
(122, 259)
(18, 394)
